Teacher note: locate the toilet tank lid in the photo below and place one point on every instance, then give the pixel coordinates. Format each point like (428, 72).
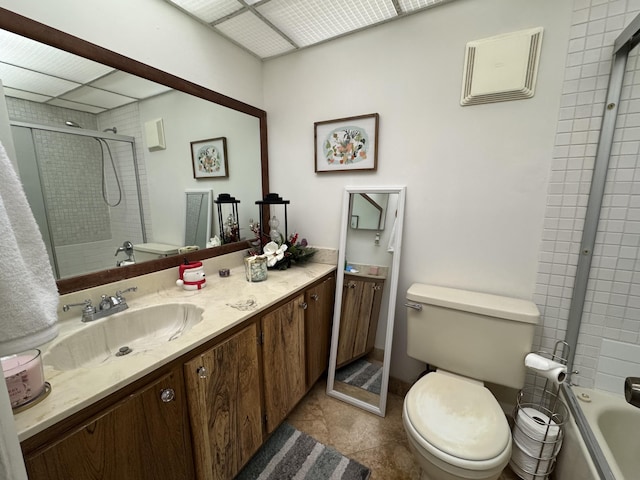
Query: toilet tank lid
(475, 302)
(159, 248)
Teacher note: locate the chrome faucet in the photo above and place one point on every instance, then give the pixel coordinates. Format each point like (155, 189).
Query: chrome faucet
(108, 306)
(632, 390)
(127, 248)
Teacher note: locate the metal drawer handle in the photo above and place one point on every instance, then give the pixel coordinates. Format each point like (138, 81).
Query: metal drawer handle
(415, 306)
(202, 372)
(315, 296)
(350, 285)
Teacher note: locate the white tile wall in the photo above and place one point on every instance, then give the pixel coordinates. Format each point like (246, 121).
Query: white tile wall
(618, 360)
(612, 308)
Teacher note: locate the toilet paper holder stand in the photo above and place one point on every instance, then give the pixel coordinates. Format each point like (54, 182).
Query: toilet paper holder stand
(538, 422)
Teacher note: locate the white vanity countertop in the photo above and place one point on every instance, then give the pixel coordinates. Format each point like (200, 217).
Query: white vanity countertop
(73, 390)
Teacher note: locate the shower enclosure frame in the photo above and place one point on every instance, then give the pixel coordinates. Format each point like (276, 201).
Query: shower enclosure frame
(97, 135)
(626, 41)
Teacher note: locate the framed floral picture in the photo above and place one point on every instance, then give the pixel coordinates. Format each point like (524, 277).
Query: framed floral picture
(347, 144)
(209, 158)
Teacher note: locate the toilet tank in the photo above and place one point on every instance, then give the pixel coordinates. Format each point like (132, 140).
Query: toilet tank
(474, 334)
(152, 251)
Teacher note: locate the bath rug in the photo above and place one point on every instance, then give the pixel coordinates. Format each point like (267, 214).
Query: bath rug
(290, 454)
(362, 374)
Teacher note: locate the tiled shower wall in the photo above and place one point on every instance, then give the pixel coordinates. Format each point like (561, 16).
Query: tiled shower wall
(611, 320)
(66, 161)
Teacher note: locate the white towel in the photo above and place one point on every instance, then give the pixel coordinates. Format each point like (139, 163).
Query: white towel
(392, 238)
(28, 291)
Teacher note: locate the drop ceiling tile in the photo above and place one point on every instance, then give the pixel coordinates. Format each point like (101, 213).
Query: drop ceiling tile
(27, 53)
(129, 85)
(96, 97)
(313, 21)
(252, 33)
(411, 5)
(58, 102)
(209, 10)
(34, 97)
(29, 81)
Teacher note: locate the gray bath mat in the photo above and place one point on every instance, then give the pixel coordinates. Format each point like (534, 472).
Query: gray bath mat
(362, 374)
(290, 454)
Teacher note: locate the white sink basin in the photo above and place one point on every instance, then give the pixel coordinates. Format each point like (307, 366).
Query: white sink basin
(140, 330)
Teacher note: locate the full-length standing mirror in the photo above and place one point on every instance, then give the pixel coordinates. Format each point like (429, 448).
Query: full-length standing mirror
(198, 217)
(366, 290)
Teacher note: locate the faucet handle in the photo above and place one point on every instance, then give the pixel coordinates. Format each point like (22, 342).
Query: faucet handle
(120, 292)
(88, 308)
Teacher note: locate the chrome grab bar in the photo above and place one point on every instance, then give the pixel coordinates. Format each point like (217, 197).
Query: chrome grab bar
(415, 306)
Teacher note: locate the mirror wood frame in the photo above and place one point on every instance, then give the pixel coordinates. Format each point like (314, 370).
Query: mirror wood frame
(40, 32)
(393, 292)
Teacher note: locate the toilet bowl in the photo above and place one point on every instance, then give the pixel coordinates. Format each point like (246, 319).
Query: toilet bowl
(456, 428)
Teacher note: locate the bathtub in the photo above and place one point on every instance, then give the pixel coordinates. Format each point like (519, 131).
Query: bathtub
(601, 439)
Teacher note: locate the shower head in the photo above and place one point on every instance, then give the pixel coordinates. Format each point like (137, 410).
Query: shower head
(71, 123)
(112, 129)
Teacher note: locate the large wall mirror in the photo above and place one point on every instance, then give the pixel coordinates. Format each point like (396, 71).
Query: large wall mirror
(98, 165)
(366, 291)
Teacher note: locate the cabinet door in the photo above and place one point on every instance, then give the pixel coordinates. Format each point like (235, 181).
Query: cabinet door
(361, 299)
(223, 388)
(145, 436)
(283, 356)
(319, 317)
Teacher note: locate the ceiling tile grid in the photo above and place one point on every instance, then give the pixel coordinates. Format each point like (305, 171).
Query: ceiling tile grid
(412, 5)
(29, 54)
(58, 102)
(94, 96)
(313, 21)
(209, 10)
(255, 35)
(30, 81)
(129, 85)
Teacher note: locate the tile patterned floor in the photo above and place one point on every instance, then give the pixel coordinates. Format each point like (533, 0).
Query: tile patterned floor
(377, 442)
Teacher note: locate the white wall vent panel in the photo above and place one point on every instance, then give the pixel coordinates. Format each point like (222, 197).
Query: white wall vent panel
(154, 133)
(501, 68)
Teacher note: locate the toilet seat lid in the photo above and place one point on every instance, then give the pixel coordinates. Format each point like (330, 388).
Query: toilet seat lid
(459, 417)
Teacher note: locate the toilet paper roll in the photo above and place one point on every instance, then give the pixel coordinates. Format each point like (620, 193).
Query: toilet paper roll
(549, 369)
(536, 434)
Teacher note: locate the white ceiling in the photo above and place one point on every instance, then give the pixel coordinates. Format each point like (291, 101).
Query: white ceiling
(265, 28)
(268, 28)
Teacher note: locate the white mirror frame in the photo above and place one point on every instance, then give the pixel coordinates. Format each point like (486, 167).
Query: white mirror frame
(393, 291)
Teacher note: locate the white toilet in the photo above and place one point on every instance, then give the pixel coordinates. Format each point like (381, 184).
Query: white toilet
(455, 426)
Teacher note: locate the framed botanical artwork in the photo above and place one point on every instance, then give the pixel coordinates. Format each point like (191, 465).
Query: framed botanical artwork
(209, 158)
(347, 144)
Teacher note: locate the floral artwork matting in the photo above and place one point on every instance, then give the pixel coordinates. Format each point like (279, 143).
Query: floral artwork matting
(346, 144)
(209, 158)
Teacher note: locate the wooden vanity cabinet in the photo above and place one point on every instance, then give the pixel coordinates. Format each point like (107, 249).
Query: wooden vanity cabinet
(203, 415)
(283, 356)
(225, 405)
(361, 299)
(319, 318)
(144, 436)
